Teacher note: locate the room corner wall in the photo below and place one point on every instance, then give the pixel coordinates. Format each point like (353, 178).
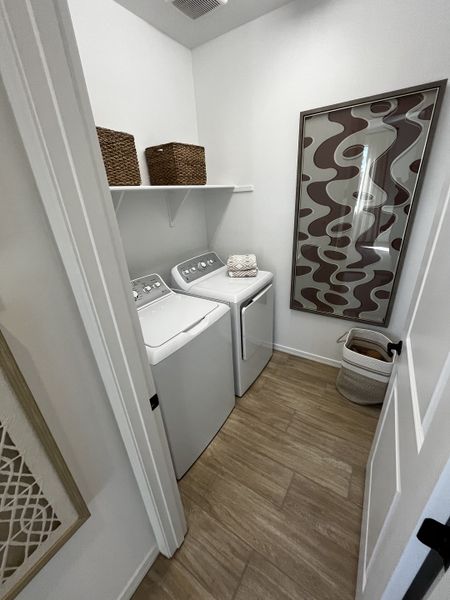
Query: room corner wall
(251, 85)
(140, 81)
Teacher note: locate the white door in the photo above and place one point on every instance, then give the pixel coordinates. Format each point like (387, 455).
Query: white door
(412, 441)
(441, 589)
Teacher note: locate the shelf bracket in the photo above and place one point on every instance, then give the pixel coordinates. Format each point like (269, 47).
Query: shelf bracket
(175, 199)
(119, 201)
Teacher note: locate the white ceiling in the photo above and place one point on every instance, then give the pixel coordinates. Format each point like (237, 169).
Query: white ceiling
(165, 17)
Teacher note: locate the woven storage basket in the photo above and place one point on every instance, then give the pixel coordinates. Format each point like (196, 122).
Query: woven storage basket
(119, 156)
(363, 378)
(176, 164)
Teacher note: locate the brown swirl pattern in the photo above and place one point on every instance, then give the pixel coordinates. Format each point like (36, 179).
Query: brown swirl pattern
(355, 201)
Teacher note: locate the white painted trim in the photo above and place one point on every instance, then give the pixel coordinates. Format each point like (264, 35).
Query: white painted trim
(418, 429)
(303, 354)
(42, 74)
(139, 574)
(429, 253)
(421, 422)
(393, 398)
(438, 391)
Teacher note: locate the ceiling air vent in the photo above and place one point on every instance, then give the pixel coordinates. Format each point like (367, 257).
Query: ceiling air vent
(197, 8)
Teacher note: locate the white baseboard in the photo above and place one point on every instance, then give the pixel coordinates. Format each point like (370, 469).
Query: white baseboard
(316, 357)
(139, 574)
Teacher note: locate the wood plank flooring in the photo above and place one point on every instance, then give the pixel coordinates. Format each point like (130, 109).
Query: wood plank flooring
(274, 503)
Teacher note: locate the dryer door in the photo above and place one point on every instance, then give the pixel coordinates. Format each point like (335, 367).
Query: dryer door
(257, 324)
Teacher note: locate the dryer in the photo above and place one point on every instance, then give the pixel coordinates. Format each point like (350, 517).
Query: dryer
(251, 303)
(188, 345)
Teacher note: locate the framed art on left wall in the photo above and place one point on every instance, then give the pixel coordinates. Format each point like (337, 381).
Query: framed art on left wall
(40, 504)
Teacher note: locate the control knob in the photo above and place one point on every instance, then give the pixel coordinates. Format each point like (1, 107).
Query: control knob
(193, 269)
(202, 265)
(157, 285)
(210, 261)
(147, 288)
(135, 295)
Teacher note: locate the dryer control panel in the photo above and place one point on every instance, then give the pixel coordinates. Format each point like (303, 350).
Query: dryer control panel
(194, 268)
(148, 289)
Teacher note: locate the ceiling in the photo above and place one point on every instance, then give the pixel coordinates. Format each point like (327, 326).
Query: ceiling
(168, 19)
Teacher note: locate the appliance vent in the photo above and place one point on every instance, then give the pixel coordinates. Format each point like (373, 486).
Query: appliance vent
(197, 8)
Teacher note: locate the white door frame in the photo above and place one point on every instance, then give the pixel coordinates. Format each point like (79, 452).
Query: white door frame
(43, 77)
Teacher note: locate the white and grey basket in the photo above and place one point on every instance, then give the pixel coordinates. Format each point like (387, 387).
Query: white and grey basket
(364, 379)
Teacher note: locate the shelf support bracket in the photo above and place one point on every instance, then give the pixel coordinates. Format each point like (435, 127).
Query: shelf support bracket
(175, 199)
(118, 202)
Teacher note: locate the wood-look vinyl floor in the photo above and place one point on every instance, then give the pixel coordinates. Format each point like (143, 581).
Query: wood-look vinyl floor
(274, 503)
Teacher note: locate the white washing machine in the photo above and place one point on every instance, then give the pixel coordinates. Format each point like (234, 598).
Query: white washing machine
(188, 344)
(251, 303)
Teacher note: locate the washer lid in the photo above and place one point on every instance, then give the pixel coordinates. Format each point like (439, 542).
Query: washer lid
(163, 320)
(230, 289)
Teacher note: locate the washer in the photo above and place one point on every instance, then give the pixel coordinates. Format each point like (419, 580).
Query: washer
(251, 303)
(188, 344)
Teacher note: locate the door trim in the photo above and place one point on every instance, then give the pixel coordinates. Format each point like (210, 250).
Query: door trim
(421, 423)
(391, 399)
(43, 77)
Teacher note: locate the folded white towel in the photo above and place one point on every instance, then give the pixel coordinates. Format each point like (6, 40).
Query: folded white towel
(243, 273)
(241, 262)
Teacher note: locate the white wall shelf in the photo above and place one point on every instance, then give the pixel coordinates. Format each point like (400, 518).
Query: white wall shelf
(175, 195)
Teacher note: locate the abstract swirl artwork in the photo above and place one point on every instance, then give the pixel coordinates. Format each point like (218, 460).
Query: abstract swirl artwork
(359, 173)
(40, 505)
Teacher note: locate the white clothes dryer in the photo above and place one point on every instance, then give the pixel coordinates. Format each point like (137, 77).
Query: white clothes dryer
(188, 344)
(251, 303)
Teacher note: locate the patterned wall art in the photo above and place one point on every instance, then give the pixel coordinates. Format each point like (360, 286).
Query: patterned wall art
(359, 173)
(40, 505)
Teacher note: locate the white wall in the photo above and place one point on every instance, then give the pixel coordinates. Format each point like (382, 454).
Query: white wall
(42, 325)
(151, 245)
(251, 85)
(140, 81)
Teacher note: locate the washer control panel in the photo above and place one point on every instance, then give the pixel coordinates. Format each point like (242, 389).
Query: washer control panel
(197, 267)
(148, 289)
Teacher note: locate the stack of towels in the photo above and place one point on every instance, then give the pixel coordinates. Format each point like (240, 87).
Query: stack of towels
(242, 265)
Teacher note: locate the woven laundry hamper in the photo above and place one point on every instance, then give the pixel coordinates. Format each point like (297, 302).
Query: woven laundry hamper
(366, 366)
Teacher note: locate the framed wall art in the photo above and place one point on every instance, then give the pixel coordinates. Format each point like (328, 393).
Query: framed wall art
(360, 168)
(40, 504)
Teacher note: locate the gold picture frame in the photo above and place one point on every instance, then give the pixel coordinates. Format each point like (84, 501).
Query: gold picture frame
(41, 506)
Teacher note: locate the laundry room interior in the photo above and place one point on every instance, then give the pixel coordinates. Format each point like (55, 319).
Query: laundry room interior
(250, 218)
(240, 96)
